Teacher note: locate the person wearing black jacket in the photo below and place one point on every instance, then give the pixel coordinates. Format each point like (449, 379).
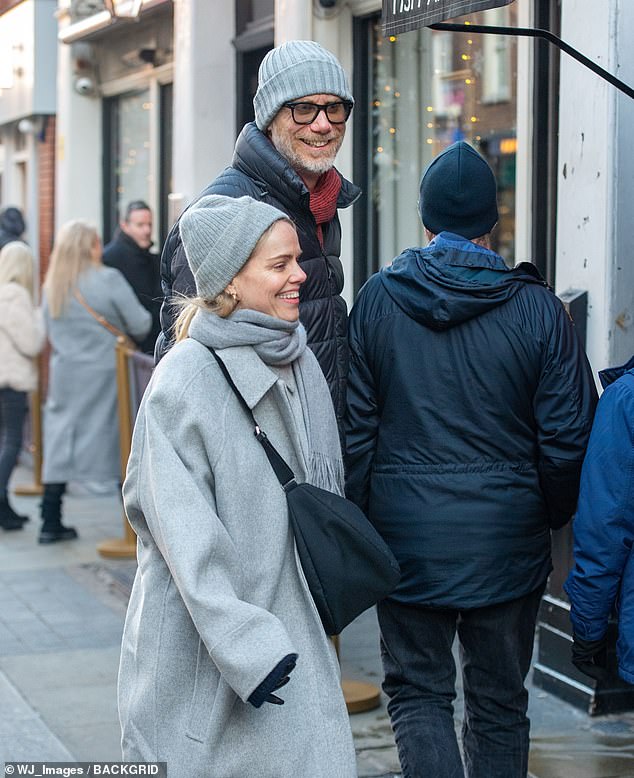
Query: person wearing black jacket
(129, 252)
(470, 403)
(286, 159)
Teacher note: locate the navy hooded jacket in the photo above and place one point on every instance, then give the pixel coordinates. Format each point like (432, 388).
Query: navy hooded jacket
(470, 403)
(603, 528)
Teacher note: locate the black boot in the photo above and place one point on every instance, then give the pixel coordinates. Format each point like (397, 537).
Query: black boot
(6, 509)
(52, 528)
(9, 519)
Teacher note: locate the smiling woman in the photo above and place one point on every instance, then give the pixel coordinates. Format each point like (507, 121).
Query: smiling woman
(270, 280)
(239, 668)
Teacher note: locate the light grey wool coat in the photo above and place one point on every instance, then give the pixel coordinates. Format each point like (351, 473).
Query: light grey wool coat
(81, 428)
(219, 597)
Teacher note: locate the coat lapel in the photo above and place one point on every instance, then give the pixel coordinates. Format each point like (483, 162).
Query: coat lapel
(254, 379)
(251, 376)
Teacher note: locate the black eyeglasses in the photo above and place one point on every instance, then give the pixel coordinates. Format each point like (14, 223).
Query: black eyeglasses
(306, 113)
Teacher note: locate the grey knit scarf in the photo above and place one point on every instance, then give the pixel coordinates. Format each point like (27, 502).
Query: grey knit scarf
(279, 342)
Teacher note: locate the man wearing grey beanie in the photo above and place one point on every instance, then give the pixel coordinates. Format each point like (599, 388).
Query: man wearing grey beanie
(286, 158)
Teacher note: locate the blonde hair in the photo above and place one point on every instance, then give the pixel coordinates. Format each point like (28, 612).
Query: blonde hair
(72, 255)
(222, 305)
(16, 265)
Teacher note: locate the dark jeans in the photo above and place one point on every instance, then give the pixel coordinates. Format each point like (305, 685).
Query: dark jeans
(496, 645)
(13, 406)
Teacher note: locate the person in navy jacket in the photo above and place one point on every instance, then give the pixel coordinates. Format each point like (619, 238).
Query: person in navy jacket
(469, 408)
(603, 575)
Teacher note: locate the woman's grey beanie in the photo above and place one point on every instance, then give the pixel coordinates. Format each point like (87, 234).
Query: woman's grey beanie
(296, 69)
(219, 234)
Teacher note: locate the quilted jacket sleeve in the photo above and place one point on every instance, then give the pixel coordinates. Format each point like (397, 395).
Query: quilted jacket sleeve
(604, 524)
(362, 414)
(564, 406)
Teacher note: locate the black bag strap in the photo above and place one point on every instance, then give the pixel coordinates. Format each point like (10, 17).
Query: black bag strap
(282, 471)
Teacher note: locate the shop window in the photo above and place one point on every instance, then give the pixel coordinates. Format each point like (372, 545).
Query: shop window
(138, 154)
(418, 93)
(128, 130)
(496, 60)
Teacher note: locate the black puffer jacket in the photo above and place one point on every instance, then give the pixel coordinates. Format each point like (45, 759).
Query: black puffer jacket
(259, 171)
(470, 403)
(141, 270)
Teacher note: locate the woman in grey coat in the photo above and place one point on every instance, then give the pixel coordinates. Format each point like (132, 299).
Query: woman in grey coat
(81, 433)
(226, 671)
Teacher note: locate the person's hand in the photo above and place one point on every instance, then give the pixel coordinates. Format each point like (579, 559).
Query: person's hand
(591, 656)
(273, 698)
(274, 681)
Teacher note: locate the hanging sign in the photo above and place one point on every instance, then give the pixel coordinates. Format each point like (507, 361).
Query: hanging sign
(405, 15)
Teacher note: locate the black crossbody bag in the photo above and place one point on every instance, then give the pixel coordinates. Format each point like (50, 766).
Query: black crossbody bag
(347, 564)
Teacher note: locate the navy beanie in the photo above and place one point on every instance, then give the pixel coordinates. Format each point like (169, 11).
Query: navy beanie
(458, 193)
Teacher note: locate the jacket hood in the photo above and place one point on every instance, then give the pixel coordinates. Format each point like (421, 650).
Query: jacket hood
(258, 158)
(453, 280)
(11, 221)
(612, 374)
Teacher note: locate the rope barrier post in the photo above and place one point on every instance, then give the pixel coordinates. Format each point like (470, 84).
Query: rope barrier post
(35, 489)
(122, 548)
(360, 696)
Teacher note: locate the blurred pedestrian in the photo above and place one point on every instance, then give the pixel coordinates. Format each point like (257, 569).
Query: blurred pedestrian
(602, 578)
(129, 251)
(286, 159)
(85, 305)
(12, 225)
(470, 403)
(21, 340)
(220, 617)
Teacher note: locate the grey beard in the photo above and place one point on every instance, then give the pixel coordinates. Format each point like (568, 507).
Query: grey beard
(298, 163)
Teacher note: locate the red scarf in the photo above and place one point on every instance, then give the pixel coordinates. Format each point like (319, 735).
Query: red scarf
(323, 200)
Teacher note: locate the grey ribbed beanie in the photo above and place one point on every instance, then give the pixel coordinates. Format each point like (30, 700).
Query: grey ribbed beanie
(296, 69)
(219, 234)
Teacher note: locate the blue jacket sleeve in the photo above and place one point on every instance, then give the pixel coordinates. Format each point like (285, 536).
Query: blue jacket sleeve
(604, 524)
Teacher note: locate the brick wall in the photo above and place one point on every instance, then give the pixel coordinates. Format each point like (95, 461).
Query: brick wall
(46, 226)
(46, 195)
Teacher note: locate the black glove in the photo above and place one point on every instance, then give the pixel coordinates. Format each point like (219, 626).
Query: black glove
(591, 656)
(277, 678)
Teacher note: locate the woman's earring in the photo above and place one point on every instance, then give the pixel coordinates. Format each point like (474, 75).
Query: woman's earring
(232, 292)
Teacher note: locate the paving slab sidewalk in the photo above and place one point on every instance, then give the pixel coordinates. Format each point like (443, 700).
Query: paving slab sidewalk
(61, 616)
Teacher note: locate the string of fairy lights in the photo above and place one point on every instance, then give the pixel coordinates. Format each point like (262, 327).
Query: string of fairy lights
(433, 116)
(431, 88)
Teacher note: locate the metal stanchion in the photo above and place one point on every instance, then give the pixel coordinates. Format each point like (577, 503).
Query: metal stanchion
(125, 547)
(360, 696)
(35, 448)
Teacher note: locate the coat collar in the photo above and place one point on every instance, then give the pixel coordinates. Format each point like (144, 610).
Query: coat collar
(251, 375)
